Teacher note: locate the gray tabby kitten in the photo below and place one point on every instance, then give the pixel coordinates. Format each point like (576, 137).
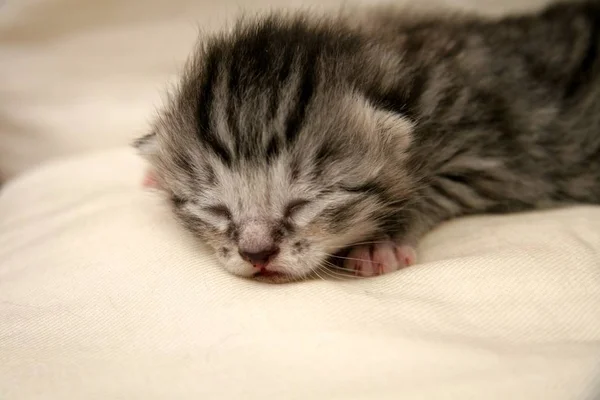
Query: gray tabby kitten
(293, 139)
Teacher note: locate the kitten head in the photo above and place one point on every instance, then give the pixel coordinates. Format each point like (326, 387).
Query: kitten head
(271, 152)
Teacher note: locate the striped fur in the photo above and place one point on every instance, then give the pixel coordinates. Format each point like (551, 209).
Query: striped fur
(320, 132)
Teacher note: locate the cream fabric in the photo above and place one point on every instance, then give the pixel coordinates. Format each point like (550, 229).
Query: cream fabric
(104, 296)
(82, 75)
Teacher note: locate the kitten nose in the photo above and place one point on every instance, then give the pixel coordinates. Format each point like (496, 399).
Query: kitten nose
(260, 259)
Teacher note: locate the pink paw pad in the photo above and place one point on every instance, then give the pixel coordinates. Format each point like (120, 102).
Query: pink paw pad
(379, 259)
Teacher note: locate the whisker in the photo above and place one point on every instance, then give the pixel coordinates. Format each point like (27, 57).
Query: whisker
(337, 278)
(341, 275)
(328, 272)
(328, 265)
(295, 278)
(350, 270)
(333, 267)
(348, 258)
(337, 271)
(316, 271)
(372, 242)
(325, 272)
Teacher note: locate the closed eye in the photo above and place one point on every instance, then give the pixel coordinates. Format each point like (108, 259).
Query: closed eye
(220, 211)
(365, 188)
(294, 206)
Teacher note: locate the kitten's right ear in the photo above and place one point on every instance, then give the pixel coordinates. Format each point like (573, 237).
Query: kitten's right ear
(146, 145)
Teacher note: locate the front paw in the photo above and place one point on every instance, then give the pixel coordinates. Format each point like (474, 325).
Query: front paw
(379, 258)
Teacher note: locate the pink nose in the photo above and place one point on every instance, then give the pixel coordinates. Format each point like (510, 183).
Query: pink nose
(259, 259)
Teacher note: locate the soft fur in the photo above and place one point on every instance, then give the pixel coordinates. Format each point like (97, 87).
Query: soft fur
(316, 133)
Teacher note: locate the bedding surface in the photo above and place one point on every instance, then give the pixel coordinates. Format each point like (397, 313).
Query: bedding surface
(104, 296)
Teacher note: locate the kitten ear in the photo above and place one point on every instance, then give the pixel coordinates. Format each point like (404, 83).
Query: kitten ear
(395, 127)
(146, 145)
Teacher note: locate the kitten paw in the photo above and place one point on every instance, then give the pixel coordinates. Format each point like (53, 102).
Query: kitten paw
(380, 258)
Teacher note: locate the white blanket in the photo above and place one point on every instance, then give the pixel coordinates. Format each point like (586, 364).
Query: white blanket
(104, 296)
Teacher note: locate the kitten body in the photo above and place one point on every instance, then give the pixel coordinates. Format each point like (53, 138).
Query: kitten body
(294, 137)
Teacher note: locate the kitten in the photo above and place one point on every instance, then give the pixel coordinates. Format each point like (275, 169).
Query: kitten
(295, 138)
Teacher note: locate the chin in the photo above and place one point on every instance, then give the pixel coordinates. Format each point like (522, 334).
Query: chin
(276, 277)
(280, 275)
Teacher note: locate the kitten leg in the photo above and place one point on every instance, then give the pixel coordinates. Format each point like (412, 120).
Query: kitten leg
(380, 258)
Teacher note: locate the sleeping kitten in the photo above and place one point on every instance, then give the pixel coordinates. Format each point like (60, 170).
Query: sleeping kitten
(294, 139)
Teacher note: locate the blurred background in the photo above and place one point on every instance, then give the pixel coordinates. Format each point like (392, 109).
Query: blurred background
(85, 75)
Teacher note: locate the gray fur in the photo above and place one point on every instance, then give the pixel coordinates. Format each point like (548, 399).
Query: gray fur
(320, 132)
